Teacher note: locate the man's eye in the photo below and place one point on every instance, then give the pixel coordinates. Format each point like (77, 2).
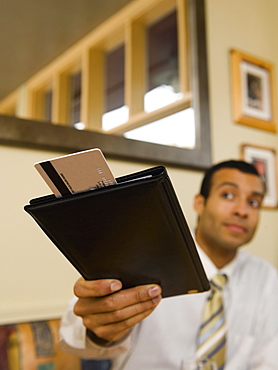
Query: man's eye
(228, 195)
(255, 203)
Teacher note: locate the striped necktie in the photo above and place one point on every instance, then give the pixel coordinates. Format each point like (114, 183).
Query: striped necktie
(211, 343)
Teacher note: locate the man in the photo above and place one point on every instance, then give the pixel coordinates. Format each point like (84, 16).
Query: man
(139, 330)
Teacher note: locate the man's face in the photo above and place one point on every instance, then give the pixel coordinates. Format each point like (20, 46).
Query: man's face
(229, 216)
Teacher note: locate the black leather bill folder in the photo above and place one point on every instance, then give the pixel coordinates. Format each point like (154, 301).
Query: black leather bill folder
(134, 231)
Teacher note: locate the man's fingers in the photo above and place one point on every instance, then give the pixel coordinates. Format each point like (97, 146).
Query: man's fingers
(118, 300)
(124, 314)
(128, 297)
(116, 331)
(96, 288)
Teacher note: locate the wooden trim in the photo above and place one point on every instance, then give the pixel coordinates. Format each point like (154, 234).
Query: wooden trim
(61, 96)
(183, 47)
(8, 105)
(135, 76)
(143, 118)
(92, 95)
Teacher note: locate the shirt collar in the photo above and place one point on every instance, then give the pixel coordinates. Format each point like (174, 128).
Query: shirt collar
(211, 270)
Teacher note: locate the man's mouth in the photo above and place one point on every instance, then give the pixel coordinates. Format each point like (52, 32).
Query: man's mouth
(236, 228)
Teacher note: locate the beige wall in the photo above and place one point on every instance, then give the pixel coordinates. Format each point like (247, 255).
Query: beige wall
(250, 26)
(36, 280)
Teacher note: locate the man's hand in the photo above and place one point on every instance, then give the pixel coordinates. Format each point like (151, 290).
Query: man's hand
(110, 312)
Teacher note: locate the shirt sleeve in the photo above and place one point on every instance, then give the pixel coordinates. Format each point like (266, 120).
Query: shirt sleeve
(265, 356)
(73, 339)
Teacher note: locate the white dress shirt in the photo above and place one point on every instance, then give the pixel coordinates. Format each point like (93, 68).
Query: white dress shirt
(169, 334)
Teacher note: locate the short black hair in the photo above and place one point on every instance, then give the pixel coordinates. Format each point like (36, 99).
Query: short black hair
(235, 164)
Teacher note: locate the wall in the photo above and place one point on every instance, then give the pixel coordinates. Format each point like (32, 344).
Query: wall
(36, 280)
(249, 26)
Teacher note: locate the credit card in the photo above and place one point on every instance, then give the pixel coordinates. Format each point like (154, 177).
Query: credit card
(77, 172)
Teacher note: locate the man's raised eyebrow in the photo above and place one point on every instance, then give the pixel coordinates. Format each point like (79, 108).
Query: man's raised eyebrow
(236, 186)
(227, 183)
(259, 194)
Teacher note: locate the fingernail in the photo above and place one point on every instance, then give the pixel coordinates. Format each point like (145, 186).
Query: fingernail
(115, 285)
(154, 291)
(156, 299)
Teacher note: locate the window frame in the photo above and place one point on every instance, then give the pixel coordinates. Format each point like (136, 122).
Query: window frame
(67, 139)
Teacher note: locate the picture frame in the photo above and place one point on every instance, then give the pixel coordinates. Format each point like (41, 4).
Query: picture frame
(265, 161)
(253, 91)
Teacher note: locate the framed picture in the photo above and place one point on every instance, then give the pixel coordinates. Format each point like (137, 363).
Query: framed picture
(253, 91)
(264, 159)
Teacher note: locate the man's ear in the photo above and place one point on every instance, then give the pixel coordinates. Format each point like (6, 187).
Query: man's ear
(199, 202)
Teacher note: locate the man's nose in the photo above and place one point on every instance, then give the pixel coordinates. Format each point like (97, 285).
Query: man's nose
(241, 209)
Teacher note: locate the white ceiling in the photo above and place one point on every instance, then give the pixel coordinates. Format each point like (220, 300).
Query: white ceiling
(34, 32)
